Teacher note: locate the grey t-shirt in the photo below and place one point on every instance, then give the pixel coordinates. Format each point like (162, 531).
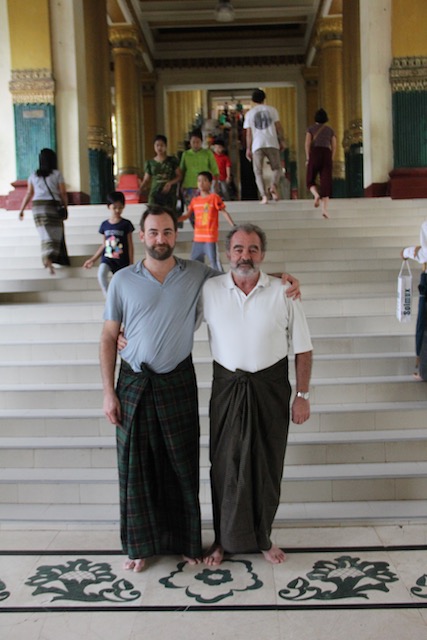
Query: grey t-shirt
(159, 318)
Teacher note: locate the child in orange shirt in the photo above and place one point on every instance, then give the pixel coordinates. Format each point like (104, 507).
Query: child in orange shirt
(206, 208)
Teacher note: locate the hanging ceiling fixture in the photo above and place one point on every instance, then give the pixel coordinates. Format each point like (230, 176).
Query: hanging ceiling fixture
(224, 11)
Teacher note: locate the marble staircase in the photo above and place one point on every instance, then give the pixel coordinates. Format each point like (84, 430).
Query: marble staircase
(362, 456)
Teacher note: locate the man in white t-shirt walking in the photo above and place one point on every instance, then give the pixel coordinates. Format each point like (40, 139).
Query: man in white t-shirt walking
(264, 139)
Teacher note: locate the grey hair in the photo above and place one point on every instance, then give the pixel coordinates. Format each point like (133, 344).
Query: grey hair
(248, 228)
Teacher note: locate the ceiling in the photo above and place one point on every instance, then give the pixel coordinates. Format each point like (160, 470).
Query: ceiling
(186, 32)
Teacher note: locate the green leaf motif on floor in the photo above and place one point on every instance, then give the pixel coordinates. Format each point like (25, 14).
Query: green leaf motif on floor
(421, 589)
(3, 593)
(82, 581)
(351, 577)
(211, 585)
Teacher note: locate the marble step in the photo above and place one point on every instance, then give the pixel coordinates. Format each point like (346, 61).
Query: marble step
(282, 214)
(302, 483)
(52, 294)
(22, 350)
(331, 254)
(88, 370)
(336, 305)
(324, 418)
(279, 237)
(408, 445)
(105, 516)
(91, 330)
(77, 279)
(376, 311)
(365, 389)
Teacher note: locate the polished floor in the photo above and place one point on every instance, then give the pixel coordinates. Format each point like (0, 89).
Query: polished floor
(352, 582)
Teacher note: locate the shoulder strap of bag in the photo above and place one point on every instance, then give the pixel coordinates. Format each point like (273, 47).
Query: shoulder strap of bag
(53, 198)
(314, 135)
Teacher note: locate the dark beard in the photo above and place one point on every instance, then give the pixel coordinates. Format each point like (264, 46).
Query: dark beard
(160, 255)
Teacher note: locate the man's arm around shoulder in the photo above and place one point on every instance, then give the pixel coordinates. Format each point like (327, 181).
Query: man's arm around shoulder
(108, 354)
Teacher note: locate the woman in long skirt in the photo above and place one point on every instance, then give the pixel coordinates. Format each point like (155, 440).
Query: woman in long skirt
(46, 187)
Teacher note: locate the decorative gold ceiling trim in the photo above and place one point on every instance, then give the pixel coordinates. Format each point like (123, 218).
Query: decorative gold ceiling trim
(206, 63)
(409, 74)
(32, 86)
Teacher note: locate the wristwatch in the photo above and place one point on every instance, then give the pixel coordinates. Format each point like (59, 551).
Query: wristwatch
(303, 394)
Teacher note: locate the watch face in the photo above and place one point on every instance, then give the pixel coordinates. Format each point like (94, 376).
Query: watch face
(305, 395)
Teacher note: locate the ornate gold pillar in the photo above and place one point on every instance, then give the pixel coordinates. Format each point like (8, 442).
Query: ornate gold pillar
(408, 78)
(100, 145)
(311, 84)
(125, 42)
(329, 45)
(32, 87)
(353, 132)
(149, 125)
(182, 109)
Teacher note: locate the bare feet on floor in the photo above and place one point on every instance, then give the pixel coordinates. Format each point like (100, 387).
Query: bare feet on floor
(136, 565)
(192, 561)
(264, 200)
(275, 555)
(325, 214)
(214, 556)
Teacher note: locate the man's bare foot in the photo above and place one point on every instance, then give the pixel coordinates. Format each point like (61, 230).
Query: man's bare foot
(316, 200)
(136, 565)
(264, 200)
(275, 555)
(192, 561)
(214, 556)
(325, 214)
(416, 375)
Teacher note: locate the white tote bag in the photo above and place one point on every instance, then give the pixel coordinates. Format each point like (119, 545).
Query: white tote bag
(404, 293)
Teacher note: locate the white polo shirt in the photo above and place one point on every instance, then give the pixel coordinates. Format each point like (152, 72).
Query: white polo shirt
(252, 332)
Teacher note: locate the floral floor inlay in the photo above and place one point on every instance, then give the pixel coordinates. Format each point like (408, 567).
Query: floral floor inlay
(377, 578)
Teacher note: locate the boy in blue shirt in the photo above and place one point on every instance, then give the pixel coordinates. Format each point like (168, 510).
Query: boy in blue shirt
(117, 248)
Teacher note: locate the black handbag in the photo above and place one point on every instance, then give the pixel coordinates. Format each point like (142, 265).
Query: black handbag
(61, 209)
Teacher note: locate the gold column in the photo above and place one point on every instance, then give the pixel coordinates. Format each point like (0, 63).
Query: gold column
(149, 125)
(284, 100)
(182, 107)
(329, 45)
(98, 76)
(125, 42)
(311, 80)
(408, 79)
(352, 74)
(32, 87)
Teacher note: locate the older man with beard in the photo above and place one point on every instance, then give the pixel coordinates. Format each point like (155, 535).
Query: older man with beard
(251, 324)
